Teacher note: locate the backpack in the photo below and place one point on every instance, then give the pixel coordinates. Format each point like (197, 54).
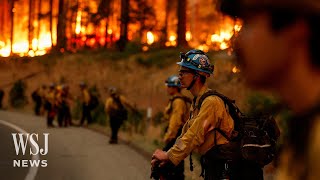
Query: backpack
(94, 101)
(254, 138)
(185, 99)
(36, 97)
(122, 113)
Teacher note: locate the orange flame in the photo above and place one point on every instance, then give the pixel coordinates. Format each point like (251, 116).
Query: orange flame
(150, 38)
(188, 36)
(235, 69)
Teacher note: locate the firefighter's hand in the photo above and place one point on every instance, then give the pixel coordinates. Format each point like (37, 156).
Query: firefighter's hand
(161, 156)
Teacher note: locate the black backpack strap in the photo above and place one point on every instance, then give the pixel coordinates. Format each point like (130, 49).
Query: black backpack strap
(227, 101)
(191, 162)
(224, 98)
(118, 102)
(222, 133)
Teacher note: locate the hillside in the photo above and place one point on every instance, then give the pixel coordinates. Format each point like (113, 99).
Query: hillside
(139, 76)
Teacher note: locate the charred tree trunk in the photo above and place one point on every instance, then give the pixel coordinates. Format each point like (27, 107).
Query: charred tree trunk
(11, 23)
(181, 31)
(61, 28)
(124, 25)
(165, 27)
(2, 20)
(71, 24)
(51, 21)
(107, 34)
(107, 11)
(30, 26)
(39, 21)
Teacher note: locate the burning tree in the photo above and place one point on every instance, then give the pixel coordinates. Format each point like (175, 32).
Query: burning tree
(71, 25)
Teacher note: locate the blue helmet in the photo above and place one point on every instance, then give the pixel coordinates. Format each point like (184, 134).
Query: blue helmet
(173, 81)
(197, 60)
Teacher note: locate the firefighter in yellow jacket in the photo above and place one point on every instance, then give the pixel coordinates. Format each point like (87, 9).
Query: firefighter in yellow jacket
(176, 113)
(50, 104)
(197, 134)
(116, 107)
(85, 100)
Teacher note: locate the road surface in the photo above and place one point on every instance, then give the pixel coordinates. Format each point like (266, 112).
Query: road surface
(73, 153)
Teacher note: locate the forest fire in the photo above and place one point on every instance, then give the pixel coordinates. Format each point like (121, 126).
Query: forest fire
(92, 24)
(235, 69)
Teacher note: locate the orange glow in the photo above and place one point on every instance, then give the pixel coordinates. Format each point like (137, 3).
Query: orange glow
(201, 32)
(78, 23)
(20, 47)
(188, 36)
(44, 41)
(172, 38)
(150, 38)
(235, 69)
(222, 39)
(203, 48)
(4, 49)
(237, 27)
(145, 48)
(172, 41)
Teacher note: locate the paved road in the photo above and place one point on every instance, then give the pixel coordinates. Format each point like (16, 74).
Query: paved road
(74, 153)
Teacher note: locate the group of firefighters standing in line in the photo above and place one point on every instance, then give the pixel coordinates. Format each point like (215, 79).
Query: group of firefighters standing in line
(56, 100)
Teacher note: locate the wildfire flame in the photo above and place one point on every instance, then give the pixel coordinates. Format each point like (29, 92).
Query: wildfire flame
(78, 23)
(188, 36)
(235, 69)
(81, 32)
(172, 41)
(150, 38)
(4, 50)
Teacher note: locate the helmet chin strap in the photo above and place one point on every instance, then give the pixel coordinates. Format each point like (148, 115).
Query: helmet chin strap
(193, 81)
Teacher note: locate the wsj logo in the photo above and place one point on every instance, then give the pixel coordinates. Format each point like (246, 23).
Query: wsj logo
(21, 140)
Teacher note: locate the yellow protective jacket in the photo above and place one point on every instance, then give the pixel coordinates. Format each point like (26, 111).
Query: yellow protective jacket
(178, 112)
(51, 97)
(111, 105)
(197, 132)
(85, 96)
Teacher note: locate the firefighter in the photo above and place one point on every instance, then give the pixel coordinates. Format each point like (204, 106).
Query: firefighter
(67, 101)
(278, 50)
(36, 97)
(177, 113)
(197, 132)
(50, 104)
(59, 105)
(42, 93)
(116, 107)
(85, 101)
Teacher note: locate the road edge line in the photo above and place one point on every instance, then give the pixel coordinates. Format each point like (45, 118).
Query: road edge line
(32, 170)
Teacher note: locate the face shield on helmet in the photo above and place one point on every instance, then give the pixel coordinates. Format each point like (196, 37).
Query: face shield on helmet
(173, 81)
(196, 60)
